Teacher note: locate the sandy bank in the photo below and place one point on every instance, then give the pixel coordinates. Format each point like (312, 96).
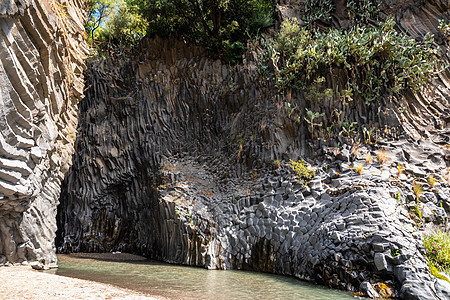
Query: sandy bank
(22, 282)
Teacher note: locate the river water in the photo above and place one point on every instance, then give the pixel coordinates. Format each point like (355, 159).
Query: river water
(181, 282)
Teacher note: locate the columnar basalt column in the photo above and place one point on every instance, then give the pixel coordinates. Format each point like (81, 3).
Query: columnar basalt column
(42, 47)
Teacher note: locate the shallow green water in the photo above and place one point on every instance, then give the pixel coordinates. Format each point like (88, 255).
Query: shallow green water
(180, 282)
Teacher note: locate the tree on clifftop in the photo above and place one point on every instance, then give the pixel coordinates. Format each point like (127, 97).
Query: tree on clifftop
(222, 26)
(116, 22)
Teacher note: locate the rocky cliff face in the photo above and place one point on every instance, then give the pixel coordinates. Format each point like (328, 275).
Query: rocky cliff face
(185, 159)
(41, 65)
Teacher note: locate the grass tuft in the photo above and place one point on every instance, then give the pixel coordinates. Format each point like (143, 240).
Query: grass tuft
(381, 156)
(358, 169)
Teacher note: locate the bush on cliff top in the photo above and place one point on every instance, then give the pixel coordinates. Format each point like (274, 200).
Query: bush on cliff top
(222, 26)
(371, 61)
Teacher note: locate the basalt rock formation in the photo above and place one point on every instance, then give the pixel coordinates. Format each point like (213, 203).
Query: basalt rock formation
(185, 159)
(41, 65)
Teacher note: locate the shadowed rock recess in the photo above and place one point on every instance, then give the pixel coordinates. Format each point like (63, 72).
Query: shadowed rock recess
(41, 65)
(185, 159)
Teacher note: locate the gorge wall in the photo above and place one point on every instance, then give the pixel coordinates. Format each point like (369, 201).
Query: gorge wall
(185, 159)
(41, 63)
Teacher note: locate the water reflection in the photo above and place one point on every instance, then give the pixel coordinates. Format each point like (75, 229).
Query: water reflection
(180, 282)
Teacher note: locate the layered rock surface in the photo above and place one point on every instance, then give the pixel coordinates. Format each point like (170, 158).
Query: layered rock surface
(41, 64)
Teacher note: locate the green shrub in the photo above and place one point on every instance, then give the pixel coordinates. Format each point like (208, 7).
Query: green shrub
(301, 170)
(318, 10)
(438, 250)
(127, 26)
(360, 11)
(371, 61)
(114, 24)
(222, 26)
(444, 28)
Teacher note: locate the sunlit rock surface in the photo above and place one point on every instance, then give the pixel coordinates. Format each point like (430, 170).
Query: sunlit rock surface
(41, 64)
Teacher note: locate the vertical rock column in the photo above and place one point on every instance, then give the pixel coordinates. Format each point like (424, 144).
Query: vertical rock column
(41, 63)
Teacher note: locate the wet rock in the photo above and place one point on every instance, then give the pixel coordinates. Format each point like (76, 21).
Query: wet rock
(368, 290)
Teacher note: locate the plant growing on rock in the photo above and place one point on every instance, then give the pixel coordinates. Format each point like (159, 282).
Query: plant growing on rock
(318, 10)
(329, 131)
(381, 156)
(438, 251)
(309, 118)
(348, 129)
(435, 271)
(402, 109)
(361, 11)
(318, 91)
(277, 163)
(395, 252)
(444, 29)
(355, 149)
(417, 190)
(358, 169)
(370, 136)
(400, 169)
(432, 181)
(418, 211)
(301, 170)
(293, 112)
(373, 61)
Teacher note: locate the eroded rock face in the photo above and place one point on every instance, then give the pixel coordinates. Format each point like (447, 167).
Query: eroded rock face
(41, 65)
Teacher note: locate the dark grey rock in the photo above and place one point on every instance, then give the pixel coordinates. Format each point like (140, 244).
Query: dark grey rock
(343, 155)
(380, 261)
(416, 290)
